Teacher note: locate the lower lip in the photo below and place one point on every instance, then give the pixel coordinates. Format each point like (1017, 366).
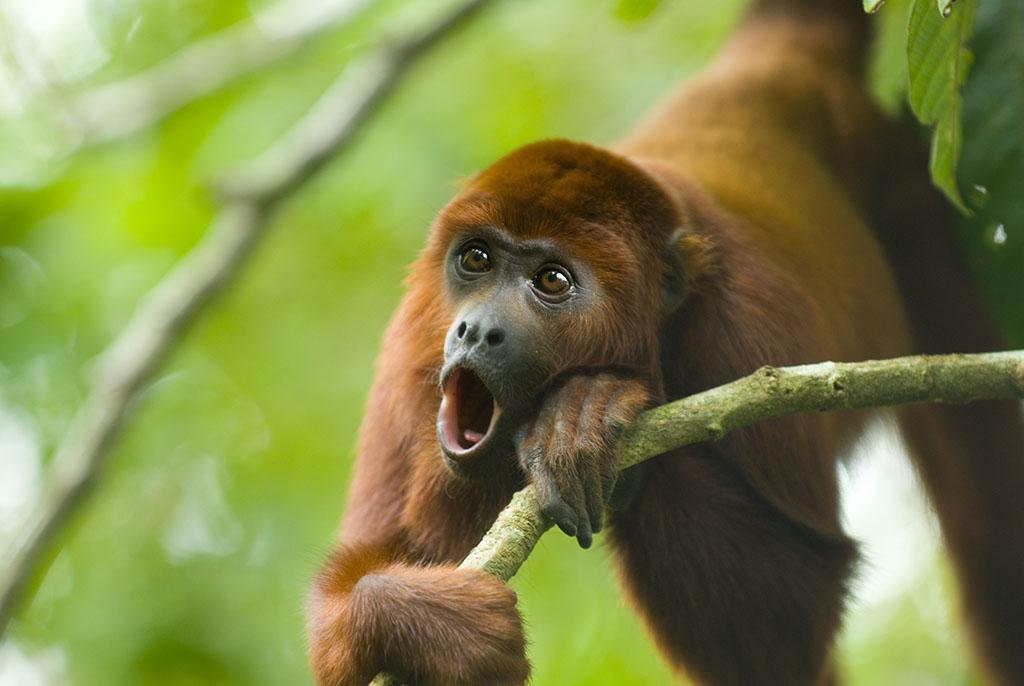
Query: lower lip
(447, 426)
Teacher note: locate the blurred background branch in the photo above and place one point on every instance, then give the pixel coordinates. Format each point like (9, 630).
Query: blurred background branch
(166, 313)
(203, 67)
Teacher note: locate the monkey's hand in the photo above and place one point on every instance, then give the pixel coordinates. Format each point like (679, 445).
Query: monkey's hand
(568, 450)
(426, 624)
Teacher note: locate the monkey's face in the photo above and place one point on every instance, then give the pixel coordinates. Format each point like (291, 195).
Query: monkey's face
(516, 302)
(552, 262)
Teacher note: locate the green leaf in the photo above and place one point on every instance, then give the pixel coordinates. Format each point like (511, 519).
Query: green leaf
(992, 165)
(887, 71)
(635, 10)
(994, 101)
(872, 6)
(938, 61)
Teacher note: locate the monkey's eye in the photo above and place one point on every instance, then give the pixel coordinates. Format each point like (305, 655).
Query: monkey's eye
(552, 282)
(475, 259)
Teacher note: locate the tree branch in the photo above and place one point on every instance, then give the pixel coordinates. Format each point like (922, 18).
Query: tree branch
(767, 393)
(123, 107)
(165, 314)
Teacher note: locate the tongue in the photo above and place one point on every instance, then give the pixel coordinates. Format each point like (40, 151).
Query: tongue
(472, 437)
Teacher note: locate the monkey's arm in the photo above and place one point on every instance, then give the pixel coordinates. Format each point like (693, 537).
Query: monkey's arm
(381, 602)
(390, 596)
(372, 611)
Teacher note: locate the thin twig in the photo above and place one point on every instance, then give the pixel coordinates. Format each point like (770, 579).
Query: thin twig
(166, 313)
(767, 393)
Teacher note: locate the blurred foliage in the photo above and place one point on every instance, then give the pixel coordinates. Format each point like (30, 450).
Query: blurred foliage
(191, 564)
(635, 10)
(992, 166)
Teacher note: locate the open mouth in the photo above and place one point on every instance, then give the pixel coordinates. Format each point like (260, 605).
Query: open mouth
(468, 413)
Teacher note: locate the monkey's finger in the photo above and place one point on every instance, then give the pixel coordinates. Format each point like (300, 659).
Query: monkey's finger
(529, 448)
(609, 476)
(584, 536)
(594, 496)
(552, 505)
(550, 497)
(562, 515)
(569, 486)
(575, 492)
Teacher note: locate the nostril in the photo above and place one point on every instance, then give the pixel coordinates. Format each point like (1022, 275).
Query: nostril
(461, 331)
(495, 337)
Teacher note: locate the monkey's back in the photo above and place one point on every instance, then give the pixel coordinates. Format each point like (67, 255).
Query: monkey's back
(785, 141)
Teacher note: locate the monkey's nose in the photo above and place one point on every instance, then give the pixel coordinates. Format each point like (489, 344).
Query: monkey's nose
(470, 333)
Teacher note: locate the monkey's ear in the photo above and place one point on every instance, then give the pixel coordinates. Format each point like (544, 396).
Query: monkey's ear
(689, 260)
(673, 276)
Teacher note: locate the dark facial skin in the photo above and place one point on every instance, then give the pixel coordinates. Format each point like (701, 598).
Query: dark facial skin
(511, 297)
(510, 384)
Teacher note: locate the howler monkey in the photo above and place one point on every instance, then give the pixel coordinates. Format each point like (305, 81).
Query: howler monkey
(765, 214)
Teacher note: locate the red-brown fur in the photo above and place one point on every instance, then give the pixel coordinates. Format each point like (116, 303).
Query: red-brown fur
(775, 165)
